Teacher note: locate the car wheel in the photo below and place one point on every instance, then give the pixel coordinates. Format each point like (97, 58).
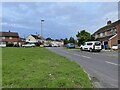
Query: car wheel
(90, 50)
(81, 49)
(99, 50)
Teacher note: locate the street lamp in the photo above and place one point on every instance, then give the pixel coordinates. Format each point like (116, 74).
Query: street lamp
(41, 26)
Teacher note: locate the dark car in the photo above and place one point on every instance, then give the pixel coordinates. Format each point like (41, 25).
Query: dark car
(70, 45)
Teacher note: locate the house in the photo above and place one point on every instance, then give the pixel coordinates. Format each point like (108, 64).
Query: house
(59, 43)
(54, 42)
(35, 39)
(109, 35)
(9, 37)
(22, 41)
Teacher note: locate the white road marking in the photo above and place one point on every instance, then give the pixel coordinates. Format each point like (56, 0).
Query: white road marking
(85, 56)
(111, 63)
(82, 56)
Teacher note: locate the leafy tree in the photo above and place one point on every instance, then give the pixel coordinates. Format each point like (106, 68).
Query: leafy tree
(92, 38)
(65, 41)
(72, 40)
(83, 36)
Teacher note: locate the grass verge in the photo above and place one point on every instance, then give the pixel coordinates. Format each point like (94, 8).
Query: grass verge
(40, 68)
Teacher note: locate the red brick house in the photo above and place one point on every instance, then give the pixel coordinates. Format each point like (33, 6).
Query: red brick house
(109, 34)
(9, 37)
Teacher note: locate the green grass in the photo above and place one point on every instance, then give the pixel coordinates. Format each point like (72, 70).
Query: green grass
(40, 68)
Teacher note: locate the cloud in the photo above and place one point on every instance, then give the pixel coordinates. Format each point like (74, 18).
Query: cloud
(61, 19)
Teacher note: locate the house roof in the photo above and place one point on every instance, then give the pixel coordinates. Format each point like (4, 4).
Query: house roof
(7, 34)
(105, 28)
(38, 37)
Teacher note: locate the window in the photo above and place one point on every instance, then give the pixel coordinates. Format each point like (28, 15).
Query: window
(105, 33)
(96, 36)
(84, 44)
(97, 43)
(89, 43)
(10, 37)
(101, 34)
(3, 37)
(112, 32)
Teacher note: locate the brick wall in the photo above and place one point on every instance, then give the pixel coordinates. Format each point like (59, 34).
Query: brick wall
(14, 39)
(113, 41)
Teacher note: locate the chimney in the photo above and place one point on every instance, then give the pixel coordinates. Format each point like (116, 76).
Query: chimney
(109, 22)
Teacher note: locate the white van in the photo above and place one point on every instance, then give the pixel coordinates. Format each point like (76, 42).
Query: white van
(92, 46)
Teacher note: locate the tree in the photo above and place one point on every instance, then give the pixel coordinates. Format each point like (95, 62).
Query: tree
(72, 40)
(92, 38)
(65, 41)
(82, 37)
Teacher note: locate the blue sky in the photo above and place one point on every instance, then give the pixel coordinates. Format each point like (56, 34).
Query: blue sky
(62, 19)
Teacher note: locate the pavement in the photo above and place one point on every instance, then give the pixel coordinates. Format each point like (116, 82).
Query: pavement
(102, 67)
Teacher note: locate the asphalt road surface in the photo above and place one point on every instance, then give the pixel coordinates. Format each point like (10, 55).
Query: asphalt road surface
(102, 66)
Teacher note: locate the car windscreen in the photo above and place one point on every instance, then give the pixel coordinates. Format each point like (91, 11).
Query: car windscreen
(97, 44)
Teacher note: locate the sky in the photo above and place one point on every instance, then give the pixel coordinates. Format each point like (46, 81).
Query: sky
(61, 19)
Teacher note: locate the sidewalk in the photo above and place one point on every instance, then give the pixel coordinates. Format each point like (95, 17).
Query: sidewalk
(113, 53)
(110, 50)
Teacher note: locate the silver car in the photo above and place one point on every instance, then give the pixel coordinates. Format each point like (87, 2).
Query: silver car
(28, 45)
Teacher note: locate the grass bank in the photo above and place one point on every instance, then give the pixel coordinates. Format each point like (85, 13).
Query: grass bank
(39, 67)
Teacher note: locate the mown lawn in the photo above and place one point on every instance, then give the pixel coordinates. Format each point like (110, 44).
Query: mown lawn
(40, 68)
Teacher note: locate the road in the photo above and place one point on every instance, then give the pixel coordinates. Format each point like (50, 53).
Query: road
(102, 66)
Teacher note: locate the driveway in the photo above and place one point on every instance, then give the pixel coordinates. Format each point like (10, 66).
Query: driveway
(101, 66)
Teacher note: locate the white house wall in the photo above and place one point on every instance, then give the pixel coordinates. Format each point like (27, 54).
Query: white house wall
(30, 39)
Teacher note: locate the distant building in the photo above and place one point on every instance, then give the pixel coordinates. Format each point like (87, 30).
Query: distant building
(34, 38)
(9, 37)
(59, 43)
(22, 41)
(109, 34)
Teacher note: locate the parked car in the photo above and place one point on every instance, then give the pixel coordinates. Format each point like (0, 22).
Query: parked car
(54, 45)
(2, 44)
(28, 45)
(47, 45)
(91, 46)
(115, 47)
(70, 45)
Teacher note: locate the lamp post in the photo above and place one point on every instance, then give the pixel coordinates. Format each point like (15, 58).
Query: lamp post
(41, 26)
